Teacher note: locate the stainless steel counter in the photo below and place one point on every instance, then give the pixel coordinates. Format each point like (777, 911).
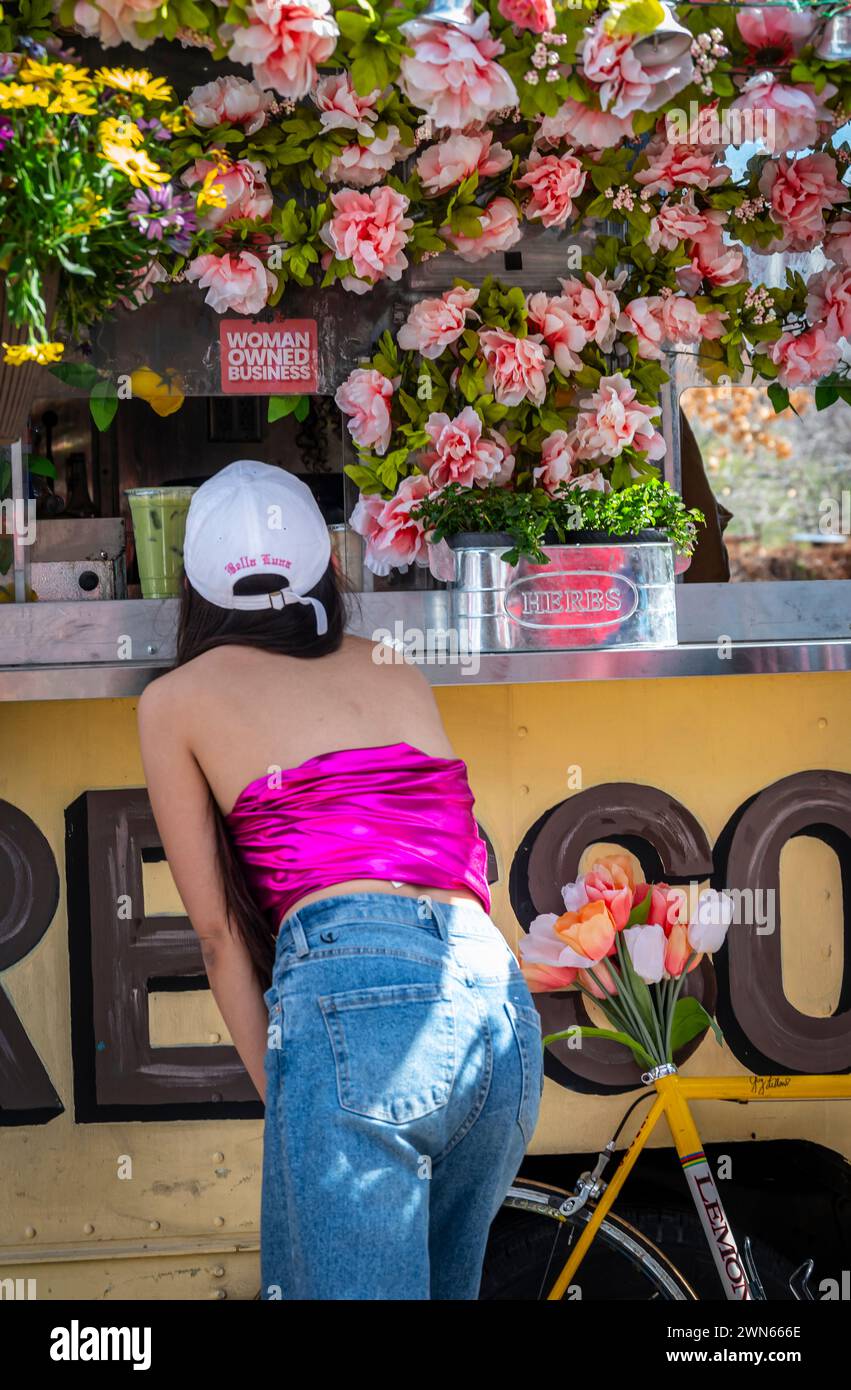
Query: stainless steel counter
(60, 651)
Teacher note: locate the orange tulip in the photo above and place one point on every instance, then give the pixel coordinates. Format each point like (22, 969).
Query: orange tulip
(677, 952)
(590, 932)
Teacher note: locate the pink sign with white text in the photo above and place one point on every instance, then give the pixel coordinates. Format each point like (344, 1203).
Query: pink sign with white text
(268, 359)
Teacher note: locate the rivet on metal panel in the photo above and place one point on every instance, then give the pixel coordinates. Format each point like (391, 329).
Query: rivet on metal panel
(215, 1037)
(523, 789)
(522, 731)
(822, 723)
(153, 1225)
(29, 1232)
(219, 1293)
(218, 1158)
(88, 1229)
(218, 1221)
(218, 1272)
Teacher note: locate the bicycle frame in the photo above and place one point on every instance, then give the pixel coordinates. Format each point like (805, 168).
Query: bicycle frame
(673, 1092)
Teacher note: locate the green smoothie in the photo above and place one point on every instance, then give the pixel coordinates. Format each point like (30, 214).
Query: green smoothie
(159, 523)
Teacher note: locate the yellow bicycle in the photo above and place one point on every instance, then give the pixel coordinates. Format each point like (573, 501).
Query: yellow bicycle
(585, 1223)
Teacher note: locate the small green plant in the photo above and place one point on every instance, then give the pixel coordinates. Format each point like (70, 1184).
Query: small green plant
(531, 518)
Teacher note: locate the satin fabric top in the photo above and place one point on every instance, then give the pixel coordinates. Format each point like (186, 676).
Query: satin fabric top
(387, 813)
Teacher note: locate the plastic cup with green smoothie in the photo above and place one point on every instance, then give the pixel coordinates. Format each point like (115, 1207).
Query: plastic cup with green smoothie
(159, 524)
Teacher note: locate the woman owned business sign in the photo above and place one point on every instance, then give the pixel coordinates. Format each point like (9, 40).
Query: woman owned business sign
(268, 359)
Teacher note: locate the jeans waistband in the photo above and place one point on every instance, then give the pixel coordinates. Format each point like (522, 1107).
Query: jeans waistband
(390, 909)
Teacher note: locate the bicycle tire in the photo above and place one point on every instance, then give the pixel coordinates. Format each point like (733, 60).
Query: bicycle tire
(522, 1261)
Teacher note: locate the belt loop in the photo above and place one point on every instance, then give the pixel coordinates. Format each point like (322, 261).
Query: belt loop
(440, 913)
(299, 939)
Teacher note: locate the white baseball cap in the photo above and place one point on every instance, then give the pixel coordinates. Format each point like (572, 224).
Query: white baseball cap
(254, 518)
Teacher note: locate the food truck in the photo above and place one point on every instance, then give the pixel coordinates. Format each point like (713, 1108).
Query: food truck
(709, 740)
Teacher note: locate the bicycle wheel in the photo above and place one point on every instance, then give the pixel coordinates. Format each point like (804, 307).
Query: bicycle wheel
(530, 1242)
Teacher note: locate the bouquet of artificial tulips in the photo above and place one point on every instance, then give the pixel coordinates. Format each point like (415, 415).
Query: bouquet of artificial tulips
(629, 946)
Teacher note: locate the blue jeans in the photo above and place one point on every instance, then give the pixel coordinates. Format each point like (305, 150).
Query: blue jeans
(403, 1081)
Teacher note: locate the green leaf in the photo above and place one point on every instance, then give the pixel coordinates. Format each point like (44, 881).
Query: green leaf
(611, 1034)
(690, 1018)
(37, 463)
(363, 478)
(826, 393)
(76, 374)
(779, 396)
(354, 26)
(103, 403)
(280, 406)
(638, 916)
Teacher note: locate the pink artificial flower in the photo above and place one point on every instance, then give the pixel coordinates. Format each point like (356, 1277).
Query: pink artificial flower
(452, 75)
(112, 22)
(837, 243)
(394, 538)
(646, 947)
(679, 166)
(236, 281)
(804, 357)
(537, 16)
(592, 481)
(340, 106)
(564, 335)
(774, 34)
(800, 191)
(678, 949)
(785, 117)
(612, 881)
(460, 454)
(592, 306)
(676, 222)
(517, 367)
(230, 99)
(243, 184)
(142, 285)
(558, 453)
(284, 43)
(582, 126)
(683, 322)
(554, 181)
(500, 226)
(366, 164)
(446, 164)
(365, 396)
(612, 420)
(829, 301)
(371, 230)
(711, 258)
(666, 905)
(611, 62)
(433, 324)
(643, 318)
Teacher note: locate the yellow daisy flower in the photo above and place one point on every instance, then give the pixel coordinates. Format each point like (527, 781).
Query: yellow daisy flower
(16, 354)
(15, 95)
(136, 165)
(121, 130)
(71, 101)
(33, 71)
(139, 82)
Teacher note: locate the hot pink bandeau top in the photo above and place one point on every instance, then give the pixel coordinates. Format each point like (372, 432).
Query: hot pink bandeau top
(387, 813)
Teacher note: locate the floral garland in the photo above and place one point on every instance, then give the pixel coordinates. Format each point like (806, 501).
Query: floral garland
(480, 392)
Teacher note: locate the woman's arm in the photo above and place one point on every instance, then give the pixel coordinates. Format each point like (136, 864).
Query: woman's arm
(180, 798)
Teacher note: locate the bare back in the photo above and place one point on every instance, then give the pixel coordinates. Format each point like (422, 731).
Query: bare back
(243, 712)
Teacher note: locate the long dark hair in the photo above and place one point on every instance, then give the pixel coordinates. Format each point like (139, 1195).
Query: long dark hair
(290, 631)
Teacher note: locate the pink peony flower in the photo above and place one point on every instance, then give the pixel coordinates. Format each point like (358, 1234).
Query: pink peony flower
(593, 481)
(142, 285)
(711, 258)
(790, 118)
(371, 230)
(804, 357)
(500, 229)
(679, 166)
(676, 222)
(366, 164)
(837, 243)
(800, 191)
(284, 42)
(365, 396)
(610, 61)
(112, 22)
(517, 367)
(394, 539)
(684, 323)
(643, 318)
(461, 455)
(236, 281)
(243, 184)
(594, 130)
(340, 106)
(435, 323)
(564, 335)
(538, 16)
(444, 165)
(231, 99)
(554, 181)
(774, 33)
(829, 301)
(612, 420)
(558, 453)
(451, 74)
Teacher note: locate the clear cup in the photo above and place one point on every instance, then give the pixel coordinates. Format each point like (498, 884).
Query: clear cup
(159, 524)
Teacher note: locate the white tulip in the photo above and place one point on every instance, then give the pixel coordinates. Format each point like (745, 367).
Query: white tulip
(708, 928)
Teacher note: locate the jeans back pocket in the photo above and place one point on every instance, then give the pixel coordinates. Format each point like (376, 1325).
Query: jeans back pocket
(526, 1022)
(393, 1048)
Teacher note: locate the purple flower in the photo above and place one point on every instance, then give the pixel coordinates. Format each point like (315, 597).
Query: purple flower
(7, 132)
(163, 214)
(156, 128)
